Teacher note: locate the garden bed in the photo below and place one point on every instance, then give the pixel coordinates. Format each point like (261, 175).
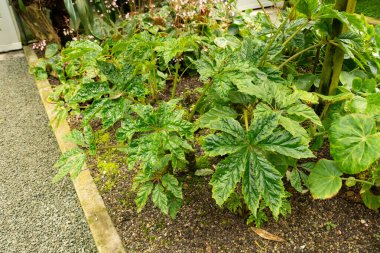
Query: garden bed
(180, 113)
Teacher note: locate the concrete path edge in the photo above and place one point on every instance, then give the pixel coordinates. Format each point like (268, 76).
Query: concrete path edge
(106, 238)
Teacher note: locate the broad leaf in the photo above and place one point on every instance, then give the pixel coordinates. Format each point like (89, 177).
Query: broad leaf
(171, 184)
(216, 113)
(262, 126)
(268, 182)
(221, 144)
(227, 174)
(71, 162)
(371, 200)
(143, 195)
(354, 142)
(284, 143)
(324, 180)
(305, 112)
(160, 199)
(89, 91)
(373, 104)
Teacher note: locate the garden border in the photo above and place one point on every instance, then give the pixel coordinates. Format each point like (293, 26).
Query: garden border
(106, 238)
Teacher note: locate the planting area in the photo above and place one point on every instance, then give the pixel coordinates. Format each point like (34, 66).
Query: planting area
(208, 129)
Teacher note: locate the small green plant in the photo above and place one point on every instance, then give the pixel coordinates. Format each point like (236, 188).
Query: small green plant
(329, 226)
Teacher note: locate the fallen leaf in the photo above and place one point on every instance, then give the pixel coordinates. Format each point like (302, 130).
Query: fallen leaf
(266, 235)
(208, 248)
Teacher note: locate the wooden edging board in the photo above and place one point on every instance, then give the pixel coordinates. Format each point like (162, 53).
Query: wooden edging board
(106, 238)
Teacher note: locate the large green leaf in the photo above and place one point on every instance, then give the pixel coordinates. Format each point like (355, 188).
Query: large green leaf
(354, 142)
(89, 91)
(324, 180)
(143, 195)
(284, 143)
(371, 200)
(294, 128)
(171, 184)
(308, 7)
(373, 104)
(221, 144)
(216, 113)
(268, 182)
(250, 192)
(71, 162)
(160, 199)
(306, 112)
(227, 174)
(262, 126)
(228, 125)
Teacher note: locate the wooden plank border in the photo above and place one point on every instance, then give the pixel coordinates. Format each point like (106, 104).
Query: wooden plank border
(106, 238)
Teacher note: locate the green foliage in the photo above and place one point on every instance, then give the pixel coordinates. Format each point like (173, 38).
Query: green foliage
(355, 142)
(256, 112)
(247, 163)
(324, 179)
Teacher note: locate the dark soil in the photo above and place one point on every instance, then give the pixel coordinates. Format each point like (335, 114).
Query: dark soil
(342, 224)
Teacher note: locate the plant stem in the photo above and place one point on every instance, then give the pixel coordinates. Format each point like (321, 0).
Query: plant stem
(299, 29)
(316, 61)
(176, 79)
(334, 56)
(264, 11)
(298, 54)
(246, 119)
(273, 38)
(357, 180)
(205, 89)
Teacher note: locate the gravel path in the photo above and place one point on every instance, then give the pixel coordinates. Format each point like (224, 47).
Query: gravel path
(35, 215)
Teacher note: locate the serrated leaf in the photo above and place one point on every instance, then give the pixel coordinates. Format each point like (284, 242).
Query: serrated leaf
(221, 144)
(262, 126)
(308, 7)
(75, 136)
(171, 184)
(354, 142)
(284, 143)
(216, 113)
(174, 204)
(227, 174)
(294, 128)
(71, 162)
(160, 199)
(229, 126)
(250, 192)
(295, 180)
(143, 195)
(89, 91)
(324, 180)
(268, 182)
(305, 112)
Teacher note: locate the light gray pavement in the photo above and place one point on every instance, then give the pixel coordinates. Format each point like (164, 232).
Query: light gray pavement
(35, 214)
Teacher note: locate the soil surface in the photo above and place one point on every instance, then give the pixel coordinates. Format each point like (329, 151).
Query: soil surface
(342, 224)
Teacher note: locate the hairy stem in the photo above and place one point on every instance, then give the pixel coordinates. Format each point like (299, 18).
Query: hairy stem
(358, 180)
(246, 119)
(273, 38)
(205, 89)
(298, 54)
(299, 29)
(176, 79)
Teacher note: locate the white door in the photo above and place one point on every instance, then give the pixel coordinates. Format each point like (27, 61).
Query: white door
(252, 4)
(9, 35)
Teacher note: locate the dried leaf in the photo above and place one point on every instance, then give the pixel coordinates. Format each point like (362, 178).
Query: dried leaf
(266, 235)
